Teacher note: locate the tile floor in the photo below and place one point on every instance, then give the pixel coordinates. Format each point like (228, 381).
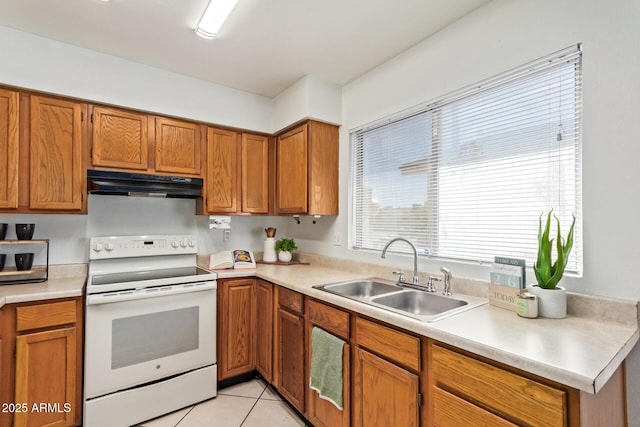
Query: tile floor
(250, 404)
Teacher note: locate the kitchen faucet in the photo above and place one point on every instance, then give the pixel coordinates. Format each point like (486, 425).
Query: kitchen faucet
(415, 259)
(447, 281)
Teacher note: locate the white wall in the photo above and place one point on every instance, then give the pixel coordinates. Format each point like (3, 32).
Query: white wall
(496, 38)
(308, 98)
(112, 215)
(501, 35)
(42, 64)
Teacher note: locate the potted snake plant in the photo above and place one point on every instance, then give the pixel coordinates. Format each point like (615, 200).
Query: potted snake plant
(552, 299)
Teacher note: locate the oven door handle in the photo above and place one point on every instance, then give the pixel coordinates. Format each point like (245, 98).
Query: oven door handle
(113, 297)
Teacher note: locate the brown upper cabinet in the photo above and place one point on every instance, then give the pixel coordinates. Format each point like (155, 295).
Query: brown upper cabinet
(57, 176)
(177, 147)
(9, 125)
(237, 173)
(120, 139)
(41, 153)
(307, 170)
(129, 140)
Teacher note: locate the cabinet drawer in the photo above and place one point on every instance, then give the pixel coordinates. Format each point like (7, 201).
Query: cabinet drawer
(329, 318)
(451, 411)
(290, 300)
(510, 394)
(45, 315)
(394, 345)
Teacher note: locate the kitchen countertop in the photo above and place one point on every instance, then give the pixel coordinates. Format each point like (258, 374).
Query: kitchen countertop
(64, 282)
(580, 352)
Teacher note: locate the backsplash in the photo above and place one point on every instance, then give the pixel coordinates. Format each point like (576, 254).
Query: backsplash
(607, 310)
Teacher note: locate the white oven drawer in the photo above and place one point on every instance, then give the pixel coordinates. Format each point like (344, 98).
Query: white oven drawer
(139, 340)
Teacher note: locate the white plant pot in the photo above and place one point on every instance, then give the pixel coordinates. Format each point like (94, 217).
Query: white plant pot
(269, 254)
(284, 256)
(552, 303)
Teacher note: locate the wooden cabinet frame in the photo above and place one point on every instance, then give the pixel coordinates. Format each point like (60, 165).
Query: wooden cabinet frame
(264, 328)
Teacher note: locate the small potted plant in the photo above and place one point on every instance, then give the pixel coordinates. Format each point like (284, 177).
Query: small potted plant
(284, 247)
(552, 299)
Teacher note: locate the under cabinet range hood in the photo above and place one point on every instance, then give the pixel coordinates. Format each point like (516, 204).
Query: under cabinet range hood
(145, 185)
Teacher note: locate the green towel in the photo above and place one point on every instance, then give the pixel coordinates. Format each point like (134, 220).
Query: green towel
(326, 366)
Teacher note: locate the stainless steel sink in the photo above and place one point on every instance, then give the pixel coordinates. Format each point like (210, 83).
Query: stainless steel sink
(418, 304)
(362, 288)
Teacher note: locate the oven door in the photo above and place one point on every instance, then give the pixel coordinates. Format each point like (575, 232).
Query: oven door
(136, 337)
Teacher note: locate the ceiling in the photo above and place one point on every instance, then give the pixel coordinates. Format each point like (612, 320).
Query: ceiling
(264, 47)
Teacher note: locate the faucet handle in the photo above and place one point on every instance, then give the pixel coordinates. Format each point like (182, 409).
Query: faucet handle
(430, 286)
(401, 274)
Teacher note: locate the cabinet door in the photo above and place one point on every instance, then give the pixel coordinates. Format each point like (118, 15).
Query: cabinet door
(323, 169)
(264, 329)
(291, 171)
(177, 147)
(321, 412)
(384, 394)
(9, 101)
(46, 375)
(57, 173)
(236, 340)
(223, 171)
(255, 174)
(292, 376)
(120, 139)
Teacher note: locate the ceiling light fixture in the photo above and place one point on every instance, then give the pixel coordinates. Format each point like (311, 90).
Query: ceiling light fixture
(213, 17)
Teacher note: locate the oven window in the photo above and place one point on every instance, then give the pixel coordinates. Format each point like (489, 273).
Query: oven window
(139, 339)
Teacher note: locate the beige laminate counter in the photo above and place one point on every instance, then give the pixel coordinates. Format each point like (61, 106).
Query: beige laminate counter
(64, 282)
(579, 352)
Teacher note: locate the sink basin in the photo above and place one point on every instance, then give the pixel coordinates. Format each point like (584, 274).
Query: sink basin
(362, 288)
(418, 304)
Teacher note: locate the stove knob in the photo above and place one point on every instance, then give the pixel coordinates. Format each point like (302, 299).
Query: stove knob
(109, 247)
(192, 243)
(98, 246)
(183, 243)
(174, 244)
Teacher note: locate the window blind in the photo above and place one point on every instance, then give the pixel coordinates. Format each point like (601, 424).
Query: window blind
(467, 176)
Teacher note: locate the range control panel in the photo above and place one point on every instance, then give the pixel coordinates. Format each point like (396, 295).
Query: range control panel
(137, 246)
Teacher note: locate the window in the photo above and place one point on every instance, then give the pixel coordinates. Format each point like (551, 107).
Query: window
(467, 176)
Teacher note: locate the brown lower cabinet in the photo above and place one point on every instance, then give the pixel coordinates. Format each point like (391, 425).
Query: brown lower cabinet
(321, 412)
(42, 385)
(290, 348)
(236, 317)
(392, 377)
(465, 388)
(386, 376)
